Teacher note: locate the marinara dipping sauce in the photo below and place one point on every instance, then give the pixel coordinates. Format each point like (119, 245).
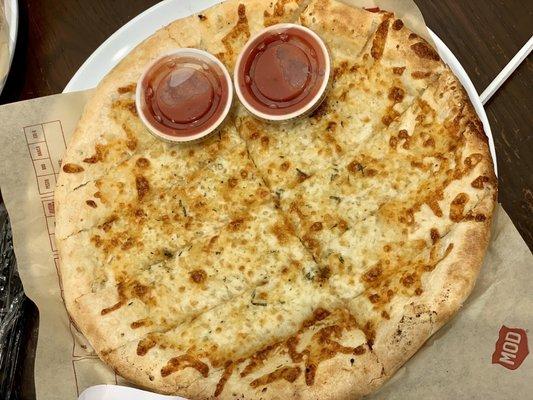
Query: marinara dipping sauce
(283, 72)
(184, 96)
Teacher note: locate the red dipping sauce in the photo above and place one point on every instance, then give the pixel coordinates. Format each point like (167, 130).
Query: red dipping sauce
(184, 96)
(283, 72)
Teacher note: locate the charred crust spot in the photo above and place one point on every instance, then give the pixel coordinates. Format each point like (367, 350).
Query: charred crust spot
(398, 70)
(397, 25)
(71, 168)
(142, 186)
(91, 203)
(198, 276)
(424, 50)
(380, 37)
(396, 94)
(202, 17)
(142, 163)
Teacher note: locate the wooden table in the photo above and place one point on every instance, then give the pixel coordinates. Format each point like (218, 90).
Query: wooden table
(56, 36)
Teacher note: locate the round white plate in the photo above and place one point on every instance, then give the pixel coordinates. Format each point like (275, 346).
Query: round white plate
(142, 26)
(11, 9)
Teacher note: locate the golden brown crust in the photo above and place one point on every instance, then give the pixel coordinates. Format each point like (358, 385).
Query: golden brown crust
(355, 358)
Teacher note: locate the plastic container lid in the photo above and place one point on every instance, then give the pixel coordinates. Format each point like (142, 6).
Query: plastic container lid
(184, 96)
(283, 72)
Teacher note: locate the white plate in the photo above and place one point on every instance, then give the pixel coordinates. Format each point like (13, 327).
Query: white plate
(139, 28)
(12, 17)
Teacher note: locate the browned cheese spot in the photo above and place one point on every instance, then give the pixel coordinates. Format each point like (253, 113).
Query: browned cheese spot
(265, 141)
(232, 182)
(285, 166)
(373, 274)
(140, 323)
(91, 203)
(380, 37)
(316, 226)
(480, 181)
(99, 155)
(198, 276)
(435, 235)
(240, 33)
(397, 25)
(184, 361)
(302, 176)
(398, 70)
(277, 13)
(131, 142)
(424, 50)
(236, 224)
(106, 226)
(290, 374)
(142, 186)
(142, 163)
(457, 207)
(70, 168)
(420, 74)
(258, 359)
(396, 94)
(390, 116)
(145, 345)
(127, 89)
(393, 142)
(385, 315)
(228, 370)
(114, 307)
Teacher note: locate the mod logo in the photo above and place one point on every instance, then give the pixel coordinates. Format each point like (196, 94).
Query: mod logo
(511, 348)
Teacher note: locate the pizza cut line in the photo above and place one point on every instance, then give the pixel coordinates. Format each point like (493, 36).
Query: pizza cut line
(304, 260)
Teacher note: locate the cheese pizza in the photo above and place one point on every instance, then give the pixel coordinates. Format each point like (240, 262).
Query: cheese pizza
(309, 259)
